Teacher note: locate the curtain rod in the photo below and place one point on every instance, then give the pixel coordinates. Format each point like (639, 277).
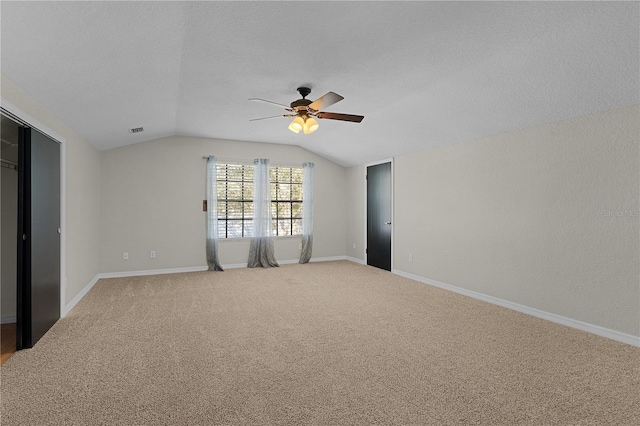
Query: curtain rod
(229, 160)
(246, 162)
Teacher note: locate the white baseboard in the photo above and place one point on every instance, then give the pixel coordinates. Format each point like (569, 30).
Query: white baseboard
(289, 261)
(100, 276)
(79, 296)
(139, 273)
(569, 322)
(355, 260)
(233, 266)
(9, 319)
(328, 259)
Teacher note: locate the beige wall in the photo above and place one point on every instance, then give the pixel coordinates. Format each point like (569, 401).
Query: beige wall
(152, 196)
(545, 217)
(354, 182)
(82, 190)
(527, 217)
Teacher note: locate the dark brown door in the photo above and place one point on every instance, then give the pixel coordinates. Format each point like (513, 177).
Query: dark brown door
(379, 216)
(38, 236)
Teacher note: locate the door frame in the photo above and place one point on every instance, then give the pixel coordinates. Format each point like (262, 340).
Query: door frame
(29, 120)
(364, 180)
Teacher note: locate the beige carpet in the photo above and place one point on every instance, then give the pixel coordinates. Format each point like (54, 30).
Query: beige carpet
(327, 343)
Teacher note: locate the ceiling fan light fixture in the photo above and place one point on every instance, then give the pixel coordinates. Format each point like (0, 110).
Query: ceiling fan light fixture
(304, 111)
(296, 125)
(310, 125)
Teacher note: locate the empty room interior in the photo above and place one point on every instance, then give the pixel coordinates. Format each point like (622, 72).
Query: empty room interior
(419, 213)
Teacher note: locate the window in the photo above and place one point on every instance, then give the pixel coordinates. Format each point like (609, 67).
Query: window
(286, 200)
(235, 200)
(234, 184)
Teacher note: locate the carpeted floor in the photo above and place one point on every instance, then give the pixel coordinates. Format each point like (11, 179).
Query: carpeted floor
(331, 343)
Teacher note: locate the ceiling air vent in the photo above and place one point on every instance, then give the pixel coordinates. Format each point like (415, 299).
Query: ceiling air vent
(136, 130)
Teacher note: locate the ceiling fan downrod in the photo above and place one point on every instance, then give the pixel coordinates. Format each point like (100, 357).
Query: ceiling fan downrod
(304, 91)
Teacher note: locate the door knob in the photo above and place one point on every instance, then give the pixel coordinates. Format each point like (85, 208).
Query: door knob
(59, 231)
(387, 223)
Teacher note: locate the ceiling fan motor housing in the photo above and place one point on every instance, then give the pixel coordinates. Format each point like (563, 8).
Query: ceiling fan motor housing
(301, 103)
(304, 92)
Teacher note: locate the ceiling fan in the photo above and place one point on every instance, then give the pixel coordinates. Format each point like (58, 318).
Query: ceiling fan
(305, 110)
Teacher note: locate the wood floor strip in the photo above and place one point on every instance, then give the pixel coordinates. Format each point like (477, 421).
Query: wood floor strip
(8, 341)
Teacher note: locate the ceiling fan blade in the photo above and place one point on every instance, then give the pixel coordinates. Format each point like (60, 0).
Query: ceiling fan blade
(326, 100)
(342, 117)
(273, 116)
(287, 107)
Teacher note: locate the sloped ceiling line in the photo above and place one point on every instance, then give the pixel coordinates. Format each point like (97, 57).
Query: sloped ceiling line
(424, 74)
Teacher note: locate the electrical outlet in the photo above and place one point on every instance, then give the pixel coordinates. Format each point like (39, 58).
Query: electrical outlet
(410, 257)
(354, 245)
(125, 255)
(152, 254)
(300, 246)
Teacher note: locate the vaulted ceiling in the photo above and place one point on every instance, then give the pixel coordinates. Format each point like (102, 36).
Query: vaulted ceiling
(424, 74)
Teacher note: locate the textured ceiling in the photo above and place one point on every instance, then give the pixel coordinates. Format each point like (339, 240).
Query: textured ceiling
(423, 74)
